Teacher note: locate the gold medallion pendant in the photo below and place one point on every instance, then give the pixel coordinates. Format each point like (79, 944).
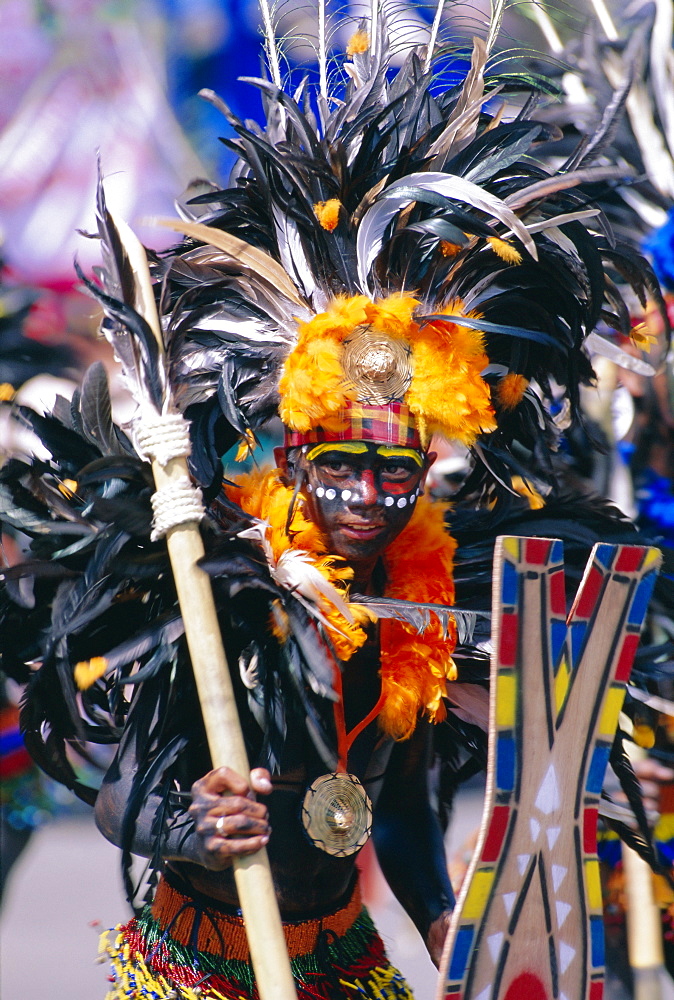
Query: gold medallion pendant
(337, 814)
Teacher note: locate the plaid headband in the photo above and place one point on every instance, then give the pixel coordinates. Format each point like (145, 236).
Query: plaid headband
(392, 423)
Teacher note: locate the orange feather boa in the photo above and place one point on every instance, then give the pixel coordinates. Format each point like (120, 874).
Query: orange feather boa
(419, 566)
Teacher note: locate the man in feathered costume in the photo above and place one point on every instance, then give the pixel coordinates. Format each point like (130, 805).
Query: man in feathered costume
(345, 507)
(390, 262)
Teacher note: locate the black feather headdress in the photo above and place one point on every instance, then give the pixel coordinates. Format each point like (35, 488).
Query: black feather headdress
(390, 185)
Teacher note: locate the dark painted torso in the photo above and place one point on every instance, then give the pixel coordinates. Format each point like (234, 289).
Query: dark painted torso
(306, 878)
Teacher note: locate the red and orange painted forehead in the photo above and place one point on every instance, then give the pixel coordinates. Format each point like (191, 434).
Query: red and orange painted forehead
(392, 424)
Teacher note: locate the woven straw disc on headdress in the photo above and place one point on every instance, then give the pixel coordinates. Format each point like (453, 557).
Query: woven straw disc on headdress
(379, 367)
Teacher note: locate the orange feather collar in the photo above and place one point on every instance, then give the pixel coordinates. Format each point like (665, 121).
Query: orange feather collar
(419, 565)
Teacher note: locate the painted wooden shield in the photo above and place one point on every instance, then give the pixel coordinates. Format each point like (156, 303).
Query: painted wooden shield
(528, 923)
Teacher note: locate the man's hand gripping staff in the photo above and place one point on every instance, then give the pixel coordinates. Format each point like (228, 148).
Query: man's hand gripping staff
(228, 820)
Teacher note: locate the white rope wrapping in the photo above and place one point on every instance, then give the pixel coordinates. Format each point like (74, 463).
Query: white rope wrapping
(176, 503)
(162, 437)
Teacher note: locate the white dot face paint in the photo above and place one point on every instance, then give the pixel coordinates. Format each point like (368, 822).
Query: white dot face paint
(362, 495)
(309, 488)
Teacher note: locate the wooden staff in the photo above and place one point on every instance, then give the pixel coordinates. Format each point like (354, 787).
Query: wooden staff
(644, 931)
(252, 873)
(644, 924)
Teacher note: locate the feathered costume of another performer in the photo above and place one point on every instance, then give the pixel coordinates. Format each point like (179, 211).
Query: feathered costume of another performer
(391, 261)
(25, 799)
(625, 63)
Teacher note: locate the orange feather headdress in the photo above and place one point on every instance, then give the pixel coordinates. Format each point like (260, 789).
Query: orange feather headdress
(383, 352)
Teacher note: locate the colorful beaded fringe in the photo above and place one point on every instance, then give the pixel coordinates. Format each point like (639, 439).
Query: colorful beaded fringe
(147, 963)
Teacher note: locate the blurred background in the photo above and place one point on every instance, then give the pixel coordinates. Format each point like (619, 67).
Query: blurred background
(117, 82)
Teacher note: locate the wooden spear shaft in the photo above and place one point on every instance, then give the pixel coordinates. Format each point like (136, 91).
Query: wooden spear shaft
(643, 922)
(644, 929)
(252, 873)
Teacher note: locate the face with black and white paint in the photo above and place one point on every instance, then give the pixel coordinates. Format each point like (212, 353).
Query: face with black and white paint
(361, 494)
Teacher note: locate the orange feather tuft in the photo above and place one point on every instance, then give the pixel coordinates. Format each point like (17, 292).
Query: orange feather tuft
(87, 672)
(448, 394)
(358, 43)
(419, 567)
(506, 251)
(327, 213)
(448, 249)
(511, 389)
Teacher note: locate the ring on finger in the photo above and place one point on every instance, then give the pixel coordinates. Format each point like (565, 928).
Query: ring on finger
(220, 824)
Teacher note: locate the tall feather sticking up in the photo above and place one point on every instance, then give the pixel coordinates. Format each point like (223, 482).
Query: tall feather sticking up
(270, 41)
(125, 326)
(435, 28)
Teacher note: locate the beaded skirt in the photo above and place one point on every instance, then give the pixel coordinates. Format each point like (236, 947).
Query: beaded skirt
(182, 948)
